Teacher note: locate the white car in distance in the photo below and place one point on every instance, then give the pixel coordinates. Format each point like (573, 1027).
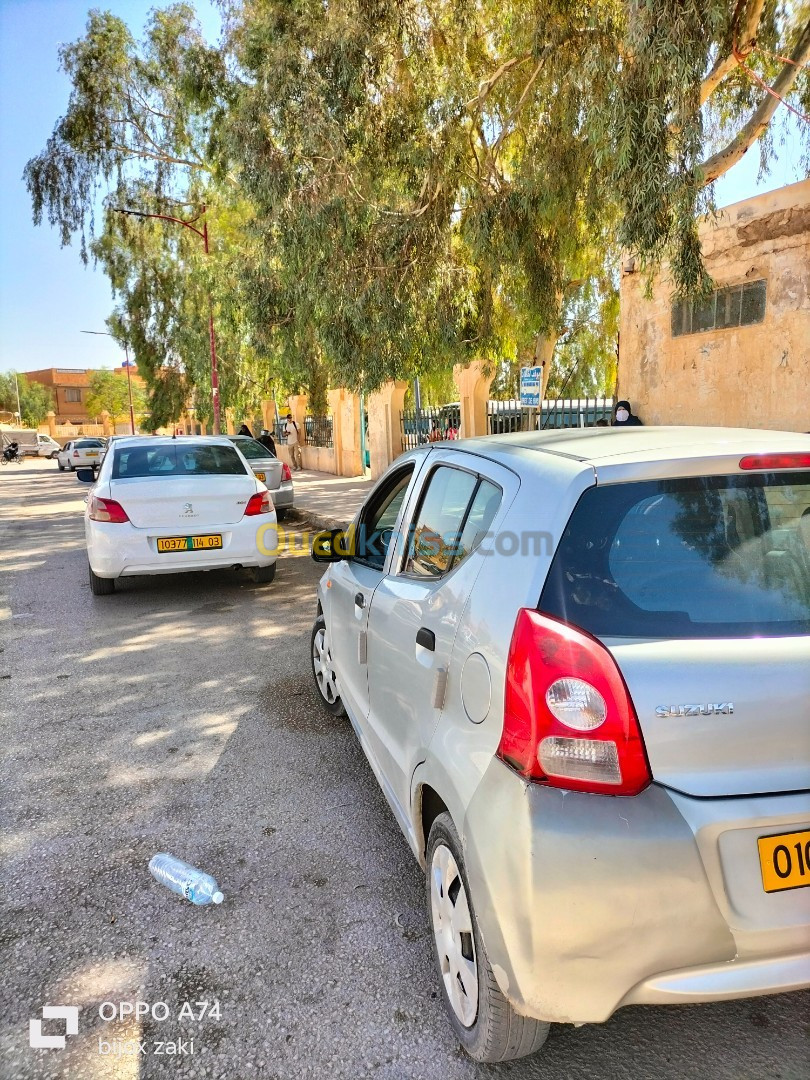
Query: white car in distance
(167, 505)
(79, 453)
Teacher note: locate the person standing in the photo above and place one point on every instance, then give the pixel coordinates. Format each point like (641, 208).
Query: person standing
(267, 441)
(245, 430)
(294, 443)
(624, 416)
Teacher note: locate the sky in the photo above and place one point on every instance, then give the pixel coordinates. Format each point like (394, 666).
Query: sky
(47, 295)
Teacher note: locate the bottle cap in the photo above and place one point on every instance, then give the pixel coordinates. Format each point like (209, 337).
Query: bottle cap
(217, 898)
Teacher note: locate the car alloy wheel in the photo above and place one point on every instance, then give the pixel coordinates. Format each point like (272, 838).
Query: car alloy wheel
(323, 669)
(453, 931)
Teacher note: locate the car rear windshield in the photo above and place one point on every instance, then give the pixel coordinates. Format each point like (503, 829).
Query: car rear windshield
(83, 443)
(252, 449)
(176, 459)
(720, 556)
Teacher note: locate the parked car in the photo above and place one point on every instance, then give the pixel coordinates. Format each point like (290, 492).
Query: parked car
(579, 665)
(274, 474)
(79, 453)
(165, 505)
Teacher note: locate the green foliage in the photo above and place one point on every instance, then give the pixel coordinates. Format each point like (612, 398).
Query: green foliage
(36, 400)
(109, 392)
(397, 186)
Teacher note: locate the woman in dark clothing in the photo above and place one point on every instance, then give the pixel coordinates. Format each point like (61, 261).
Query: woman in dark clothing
(267, 440)
(624, 416)
(245, 430)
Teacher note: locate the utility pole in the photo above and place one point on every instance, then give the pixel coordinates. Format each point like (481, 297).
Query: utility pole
(103, 333)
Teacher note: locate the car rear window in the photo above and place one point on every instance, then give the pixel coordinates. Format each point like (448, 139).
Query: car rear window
(725, 556)
(252, 449)
(83, 443)
(177, 459)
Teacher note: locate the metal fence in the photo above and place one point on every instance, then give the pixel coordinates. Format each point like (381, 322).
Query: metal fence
(506, 416)
(429, 424)
(319, 431)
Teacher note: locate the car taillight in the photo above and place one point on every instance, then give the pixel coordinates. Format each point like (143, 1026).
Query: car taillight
(107, 510)
(75, 453)
(568, 719)
(285, 472)
(775, 461)
(260, 503)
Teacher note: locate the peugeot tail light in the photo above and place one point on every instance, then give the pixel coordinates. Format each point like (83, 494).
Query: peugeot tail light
(107, 510)
(260, 503)
(285, 472)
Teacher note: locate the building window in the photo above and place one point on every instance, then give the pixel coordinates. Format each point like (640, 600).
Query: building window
(740, 305)
(72, 394)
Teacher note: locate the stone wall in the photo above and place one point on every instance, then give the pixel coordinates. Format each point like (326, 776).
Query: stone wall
(746, 376)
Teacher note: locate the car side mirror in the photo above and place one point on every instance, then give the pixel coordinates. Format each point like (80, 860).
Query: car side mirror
(86, 476)
(331, 546)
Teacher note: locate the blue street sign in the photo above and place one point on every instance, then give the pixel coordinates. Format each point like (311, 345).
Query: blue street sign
(531, 385)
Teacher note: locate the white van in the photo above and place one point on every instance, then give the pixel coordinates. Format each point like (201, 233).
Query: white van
(46, 447)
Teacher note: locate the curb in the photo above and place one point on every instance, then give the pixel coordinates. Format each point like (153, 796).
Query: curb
(318, 523)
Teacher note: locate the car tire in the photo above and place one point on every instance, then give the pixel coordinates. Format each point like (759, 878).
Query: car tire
(280, 514)
(323, 669)
(263, 575)
(101, 586)
(61, 466)
(483, 1020)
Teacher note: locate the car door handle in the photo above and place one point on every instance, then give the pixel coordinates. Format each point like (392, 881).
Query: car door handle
(426, 638)
(360, 600)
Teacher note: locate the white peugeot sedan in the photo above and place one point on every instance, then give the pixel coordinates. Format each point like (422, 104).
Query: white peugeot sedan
(579, 665)
(168, 505)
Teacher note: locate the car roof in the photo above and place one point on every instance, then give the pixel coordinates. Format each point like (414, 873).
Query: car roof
(168, 440)
(618, 445)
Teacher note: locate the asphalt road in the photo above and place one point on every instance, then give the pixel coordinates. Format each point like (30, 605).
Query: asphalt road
(177, 715)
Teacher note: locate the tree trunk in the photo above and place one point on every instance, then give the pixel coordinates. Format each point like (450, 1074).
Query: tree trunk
(544, 354)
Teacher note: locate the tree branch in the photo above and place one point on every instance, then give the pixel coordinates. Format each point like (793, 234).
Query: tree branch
(743, 40)
(724, 159)
(486, 85)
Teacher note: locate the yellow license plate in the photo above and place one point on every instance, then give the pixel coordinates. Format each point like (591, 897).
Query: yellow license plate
(91, 453)
(188, 543)
(785, 861)
(259, 476)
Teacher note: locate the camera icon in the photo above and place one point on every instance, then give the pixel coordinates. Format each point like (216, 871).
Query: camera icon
(68, 1013)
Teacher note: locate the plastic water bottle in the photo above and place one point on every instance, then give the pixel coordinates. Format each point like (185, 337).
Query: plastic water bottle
(185, 880)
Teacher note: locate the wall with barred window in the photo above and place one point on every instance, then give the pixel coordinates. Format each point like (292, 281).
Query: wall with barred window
(742, 357)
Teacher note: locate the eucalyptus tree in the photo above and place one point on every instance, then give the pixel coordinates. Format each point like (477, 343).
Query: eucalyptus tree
(140, 134)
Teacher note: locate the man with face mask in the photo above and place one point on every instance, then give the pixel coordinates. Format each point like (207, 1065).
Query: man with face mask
(624, 416)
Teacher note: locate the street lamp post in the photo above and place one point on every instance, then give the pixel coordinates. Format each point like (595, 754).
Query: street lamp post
(17, 388)
(203, 234)
(103, 333)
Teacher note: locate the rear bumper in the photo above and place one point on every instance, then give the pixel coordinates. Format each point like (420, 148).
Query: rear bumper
(588, 902)
(124, 551)
(283, 496)
(723, 982)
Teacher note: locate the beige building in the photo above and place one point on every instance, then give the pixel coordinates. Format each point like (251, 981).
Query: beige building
(743, 357)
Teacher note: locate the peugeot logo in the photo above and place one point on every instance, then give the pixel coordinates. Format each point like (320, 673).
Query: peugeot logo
(722, 708)
(188, 511)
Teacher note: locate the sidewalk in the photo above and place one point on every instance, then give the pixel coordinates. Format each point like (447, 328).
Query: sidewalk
(324, 501)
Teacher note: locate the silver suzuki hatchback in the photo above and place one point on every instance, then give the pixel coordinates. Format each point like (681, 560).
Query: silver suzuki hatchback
(579, 665)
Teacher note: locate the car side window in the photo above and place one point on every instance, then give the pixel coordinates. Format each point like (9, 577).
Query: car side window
(378, 518)
(454, 515)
